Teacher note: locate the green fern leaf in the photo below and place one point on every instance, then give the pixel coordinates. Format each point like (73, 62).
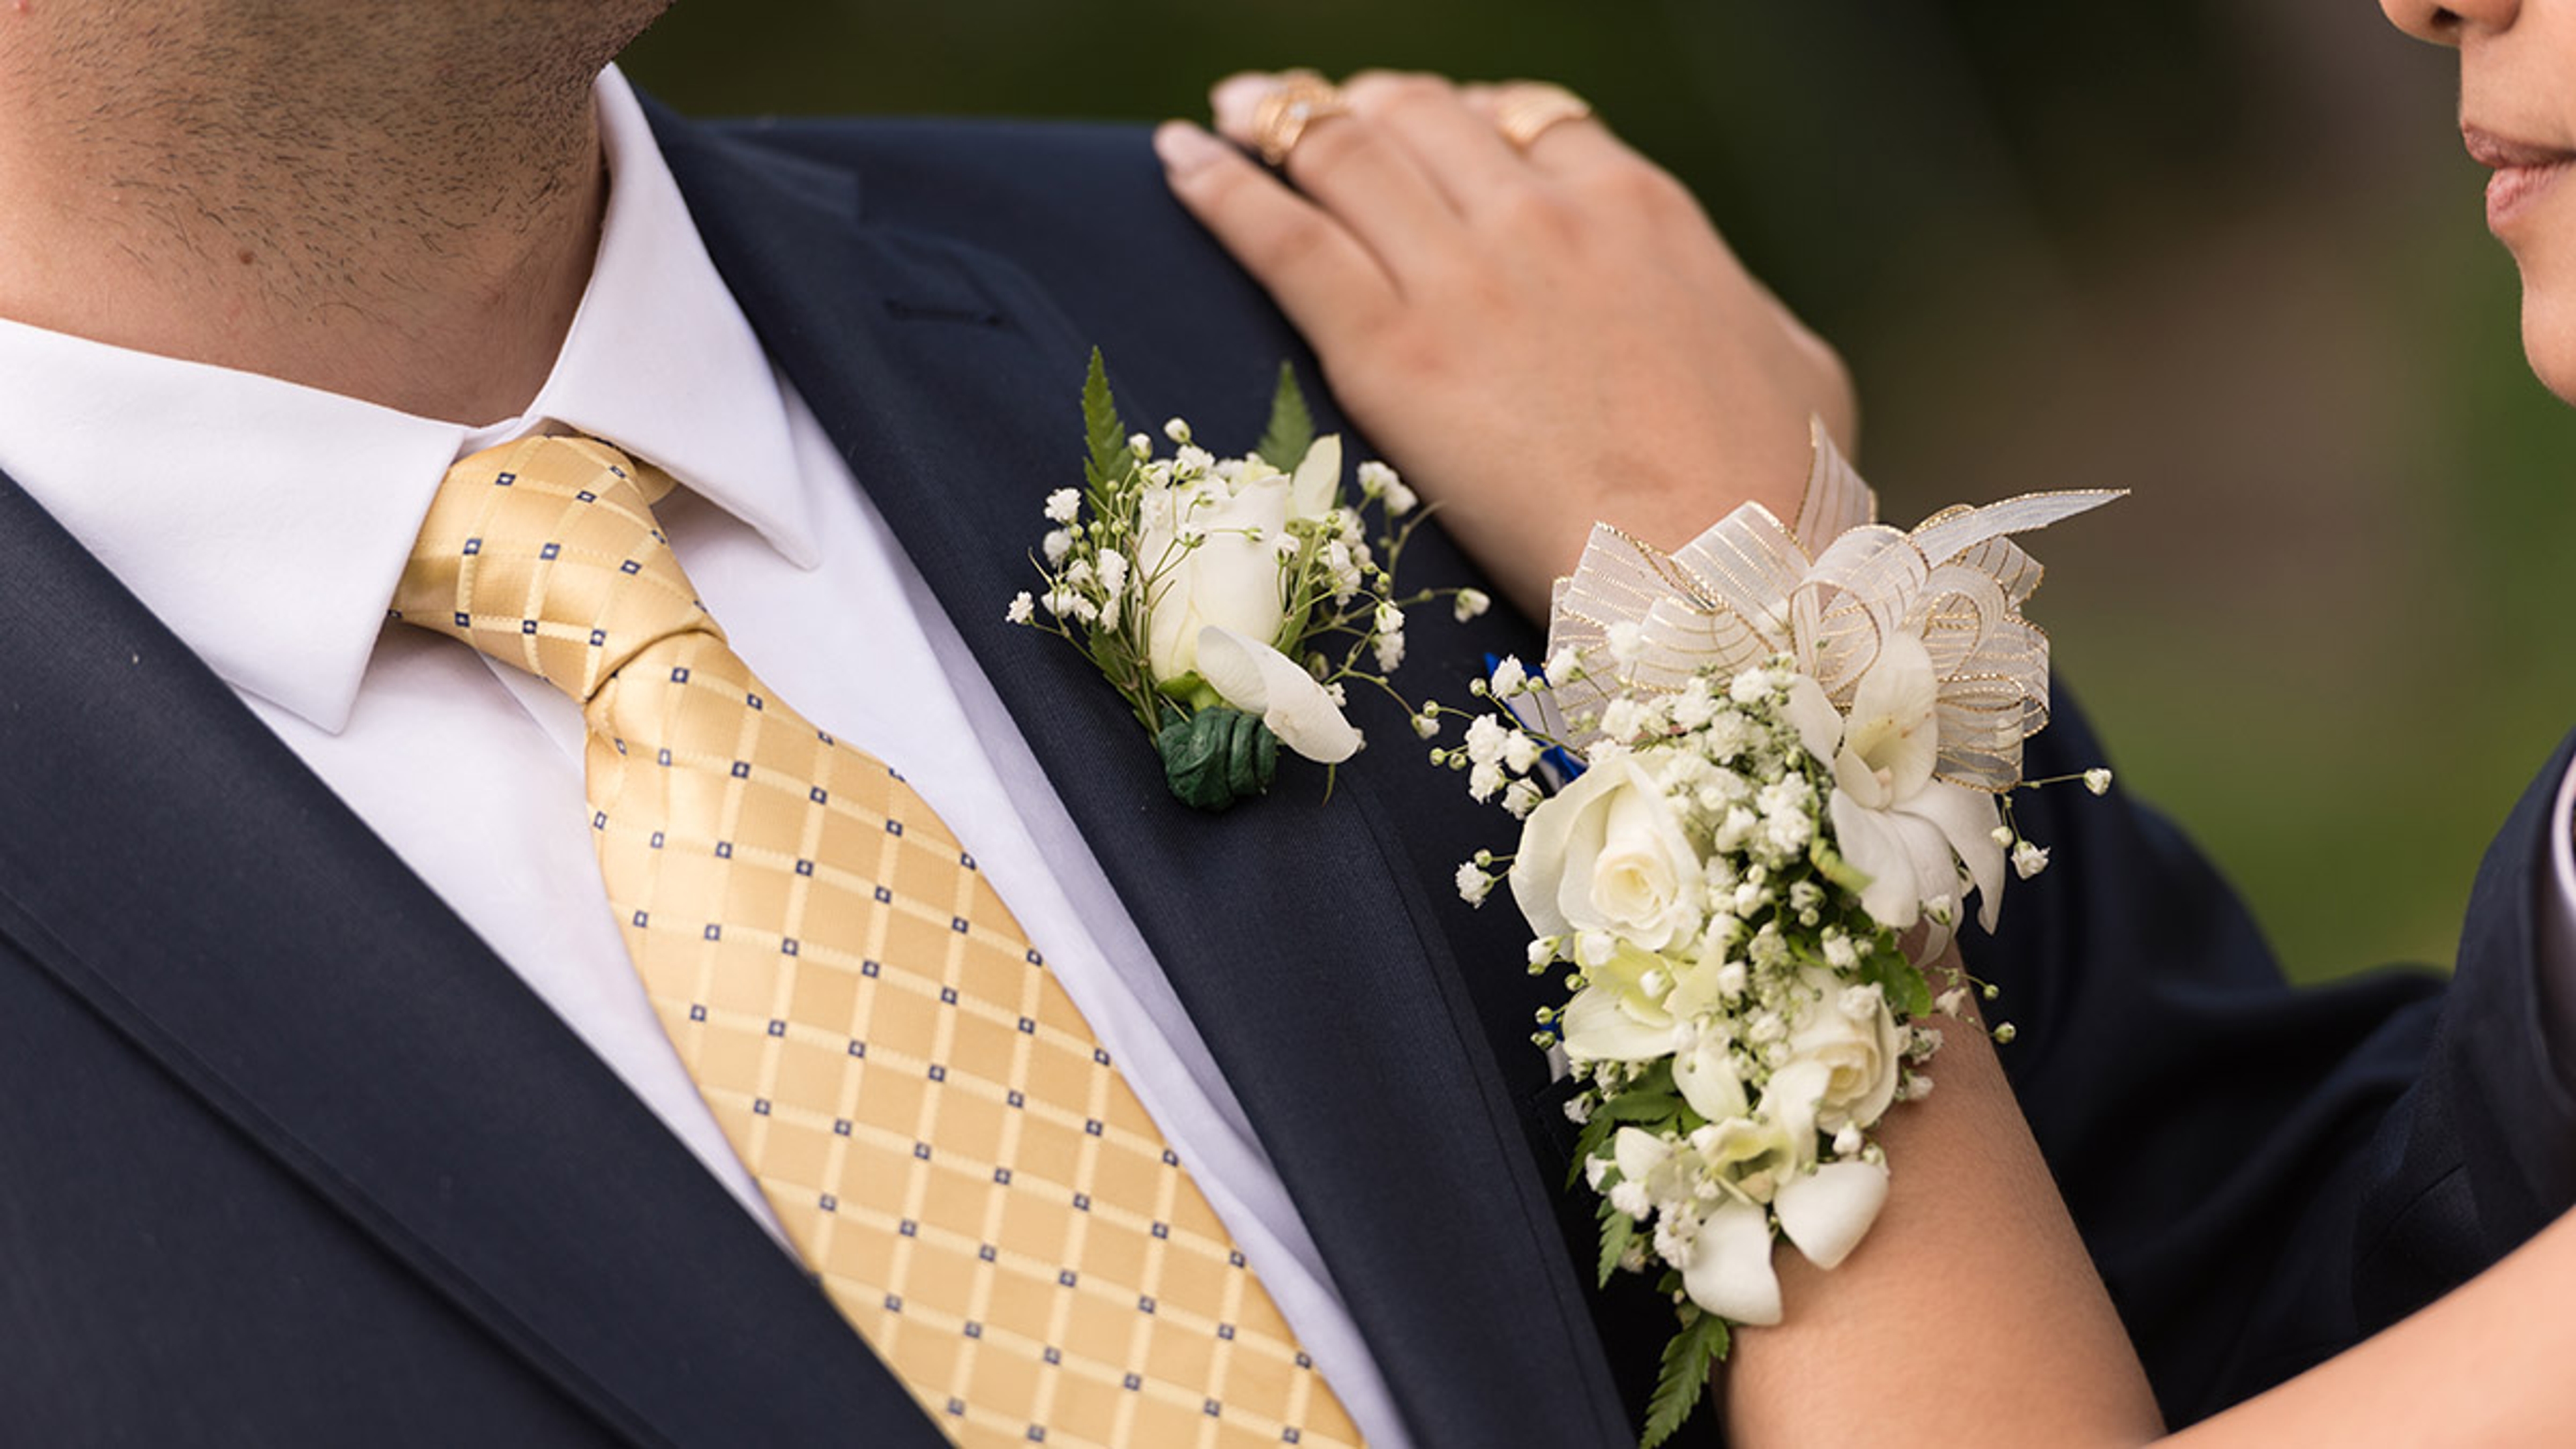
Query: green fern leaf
(1292, 427)
(1683, 1378)
(1103, 429)
(1617, 1230)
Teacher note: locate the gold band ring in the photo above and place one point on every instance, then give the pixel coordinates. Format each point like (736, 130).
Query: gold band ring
(1299, 100)
(1525, 109)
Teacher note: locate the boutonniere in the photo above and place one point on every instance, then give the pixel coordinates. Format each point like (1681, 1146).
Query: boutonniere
(1231, 602)
(1797, 746)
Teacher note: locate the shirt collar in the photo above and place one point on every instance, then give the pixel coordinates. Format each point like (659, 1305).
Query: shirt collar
(266, 522)
(2558, 900)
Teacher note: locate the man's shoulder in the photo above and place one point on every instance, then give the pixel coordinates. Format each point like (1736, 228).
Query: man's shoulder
(938, 171)
(1078, 209)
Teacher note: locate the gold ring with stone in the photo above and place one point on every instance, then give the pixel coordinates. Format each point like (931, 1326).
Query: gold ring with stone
(1525, 109)
(1299, 100)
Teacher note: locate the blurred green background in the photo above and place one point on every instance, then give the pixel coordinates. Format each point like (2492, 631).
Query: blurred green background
(2226, 253)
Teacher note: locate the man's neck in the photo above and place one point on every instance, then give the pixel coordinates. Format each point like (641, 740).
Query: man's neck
(399, 203)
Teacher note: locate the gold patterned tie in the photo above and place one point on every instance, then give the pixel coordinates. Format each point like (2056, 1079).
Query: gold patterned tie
(944, 1140)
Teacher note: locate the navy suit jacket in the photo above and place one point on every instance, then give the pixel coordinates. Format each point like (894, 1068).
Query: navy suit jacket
(288, 1156)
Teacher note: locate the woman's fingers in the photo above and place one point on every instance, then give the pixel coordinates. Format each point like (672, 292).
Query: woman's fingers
(1320, 274)
(1556, 139)
(1461, 153)
(1349, 163)
(1535, 323)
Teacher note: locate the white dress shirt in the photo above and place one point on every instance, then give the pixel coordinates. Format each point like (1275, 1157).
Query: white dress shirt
(266, 524)
(2558, 929)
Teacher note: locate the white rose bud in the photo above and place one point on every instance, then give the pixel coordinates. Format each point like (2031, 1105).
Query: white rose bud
(1861, 1053)
(1209, 567)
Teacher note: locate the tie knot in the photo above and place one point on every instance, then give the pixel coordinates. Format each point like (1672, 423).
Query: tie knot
(543, 553)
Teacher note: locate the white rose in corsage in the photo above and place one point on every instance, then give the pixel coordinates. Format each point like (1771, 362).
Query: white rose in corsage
(1790, 751)
(1608, 854)
(1207, 590)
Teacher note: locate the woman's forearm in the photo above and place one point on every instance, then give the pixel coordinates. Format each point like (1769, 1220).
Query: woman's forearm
(1970, 1315)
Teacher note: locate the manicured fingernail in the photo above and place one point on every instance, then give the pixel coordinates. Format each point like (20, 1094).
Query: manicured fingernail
(1236, 97)
(1185, 148)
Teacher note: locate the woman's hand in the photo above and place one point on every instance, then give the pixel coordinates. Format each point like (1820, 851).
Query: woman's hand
(1537, 338)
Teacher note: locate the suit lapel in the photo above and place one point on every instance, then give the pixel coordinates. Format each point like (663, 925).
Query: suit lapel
(170, 862)
(1296, 933)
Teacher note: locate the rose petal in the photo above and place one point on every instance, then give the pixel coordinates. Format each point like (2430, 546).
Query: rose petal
(1257, 679)
(1233, 578)
(1828, 1213)
(1730, 1268)
(1563, 829)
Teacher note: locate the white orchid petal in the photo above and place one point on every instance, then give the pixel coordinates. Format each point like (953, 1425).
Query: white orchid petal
(1894, 726)
(1319, 478)
(1819, 724)
(1872, 841)
(1638, 1153)
(1707, 1080)
(1828, 1213)
(1967, 819)
(1791, 1100)
(1599, 1029)
(1257, 679)
(1730, 1268)
(1853, 776)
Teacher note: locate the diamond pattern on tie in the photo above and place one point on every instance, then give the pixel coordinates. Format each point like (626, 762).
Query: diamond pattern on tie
(945, 1142)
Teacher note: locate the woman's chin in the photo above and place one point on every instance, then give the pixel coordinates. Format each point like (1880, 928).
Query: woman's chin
(2549, 334)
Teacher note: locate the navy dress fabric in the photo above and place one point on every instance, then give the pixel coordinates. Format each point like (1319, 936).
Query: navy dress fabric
(289, 1157)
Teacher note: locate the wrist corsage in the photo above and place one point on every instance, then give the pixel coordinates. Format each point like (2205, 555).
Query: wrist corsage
(1791, 750)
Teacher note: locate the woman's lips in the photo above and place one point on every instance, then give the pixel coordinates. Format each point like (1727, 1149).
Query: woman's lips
(2523, 171)
(2512, 189)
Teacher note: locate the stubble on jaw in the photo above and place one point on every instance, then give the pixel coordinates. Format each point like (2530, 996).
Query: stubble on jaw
(316, 142)
(277, 177)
